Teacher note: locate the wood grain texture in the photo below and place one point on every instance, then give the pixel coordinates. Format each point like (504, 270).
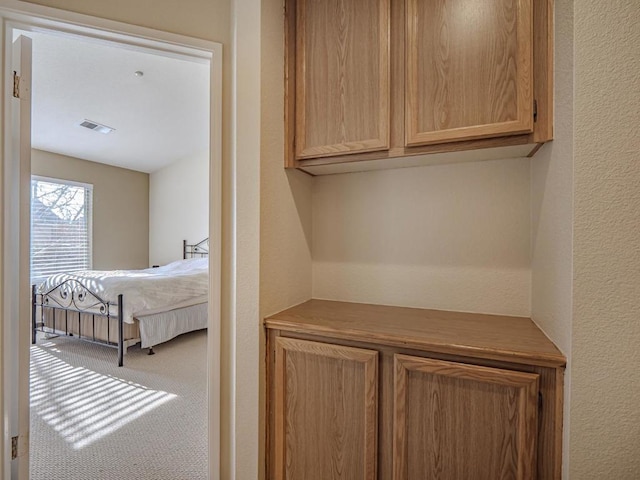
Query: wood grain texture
(557, 401)
(549, 441)
(550, 422)
(452, 147)
(454, 421)
(290, 160)
(325, 411)
(398, 150)
(469, 69)
(543, 59)
(270, 404)
(440, 158)
(549, 458)
(398, 60)
(342, 76)
(497, 337)
(542, 73)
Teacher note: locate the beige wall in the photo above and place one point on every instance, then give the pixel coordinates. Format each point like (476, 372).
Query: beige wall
(552, 213)
(247, 350)
(206, 19)
(285, 207)
(450, 237)
(178, 207)
(120, 207)
(552, 199)
(605, 373)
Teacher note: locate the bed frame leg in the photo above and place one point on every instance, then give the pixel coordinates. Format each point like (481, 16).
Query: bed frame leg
(151, 352)
(33, 314)
(120, 332)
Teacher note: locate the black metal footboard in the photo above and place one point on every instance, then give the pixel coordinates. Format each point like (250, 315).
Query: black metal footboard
(72, 300)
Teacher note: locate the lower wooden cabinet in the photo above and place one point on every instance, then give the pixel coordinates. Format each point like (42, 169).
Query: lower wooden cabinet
(326, 407)
(355, 399)
(457, 421)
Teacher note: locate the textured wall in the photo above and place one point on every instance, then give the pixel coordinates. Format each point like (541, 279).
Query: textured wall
(605, 383)
(248, 357)
(451, 237)
(285, 206)
(178, 207)
(552, 211)
(120, 207)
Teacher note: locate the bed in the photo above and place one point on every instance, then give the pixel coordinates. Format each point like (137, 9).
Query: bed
(121, 308)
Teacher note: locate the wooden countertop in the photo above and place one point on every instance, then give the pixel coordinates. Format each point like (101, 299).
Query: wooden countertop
(496, 337)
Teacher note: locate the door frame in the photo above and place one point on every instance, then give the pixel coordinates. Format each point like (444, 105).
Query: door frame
(26, 16)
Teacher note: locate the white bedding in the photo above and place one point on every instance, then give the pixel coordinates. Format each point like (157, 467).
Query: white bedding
(152, 290)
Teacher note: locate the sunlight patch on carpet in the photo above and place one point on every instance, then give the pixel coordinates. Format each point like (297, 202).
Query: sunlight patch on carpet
(83, 406)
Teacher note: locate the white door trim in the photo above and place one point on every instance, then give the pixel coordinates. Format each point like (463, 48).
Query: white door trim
(26, 16)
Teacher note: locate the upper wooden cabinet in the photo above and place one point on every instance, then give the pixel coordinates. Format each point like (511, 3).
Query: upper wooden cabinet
(386, 83)
(342, 77)
(468, 71)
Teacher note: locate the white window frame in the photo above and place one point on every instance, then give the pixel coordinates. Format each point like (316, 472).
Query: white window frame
(88, 211)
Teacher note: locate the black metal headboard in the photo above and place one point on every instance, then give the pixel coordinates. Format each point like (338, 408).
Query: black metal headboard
(197, 250)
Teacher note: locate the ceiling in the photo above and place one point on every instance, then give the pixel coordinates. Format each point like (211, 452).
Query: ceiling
(159, 117)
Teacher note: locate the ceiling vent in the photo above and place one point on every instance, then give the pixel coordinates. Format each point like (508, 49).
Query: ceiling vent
(97, 127)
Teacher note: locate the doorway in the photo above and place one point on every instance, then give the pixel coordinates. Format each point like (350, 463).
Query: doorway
(129, 37)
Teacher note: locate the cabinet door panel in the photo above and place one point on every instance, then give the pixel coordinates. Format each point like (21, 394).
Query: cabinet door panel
(469, 69)
(342, 77)
(454, 421)
(325, 411)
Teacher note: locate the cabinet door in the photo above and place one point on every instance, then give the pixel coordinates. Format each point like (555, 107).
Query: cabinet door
(469, 69)
(454, 421)
(342, 77)
(326, 404)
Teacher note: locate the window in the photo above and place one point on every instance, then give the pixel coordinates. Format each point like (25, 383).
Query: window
(60, 227)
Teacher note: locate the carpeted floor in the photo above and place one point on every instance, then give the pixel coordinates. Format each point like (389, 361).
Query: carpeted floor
(93, 420)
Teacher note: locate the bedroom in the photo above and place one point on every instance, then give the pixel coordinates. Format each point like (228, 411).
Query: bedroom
(145, 189)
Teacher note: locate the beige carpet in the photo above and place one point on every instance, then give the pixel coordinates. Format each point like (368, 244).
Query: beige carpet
(93, 420)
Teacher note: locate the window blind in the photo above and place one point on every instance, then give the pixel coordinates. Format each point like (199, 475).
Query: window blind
(60, 227)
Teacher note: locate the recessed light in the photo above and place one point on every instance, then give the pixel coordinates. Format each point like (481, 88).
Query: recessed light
(138, 73)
